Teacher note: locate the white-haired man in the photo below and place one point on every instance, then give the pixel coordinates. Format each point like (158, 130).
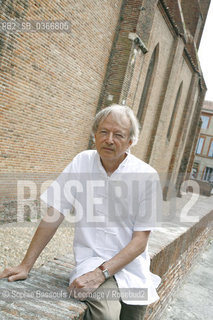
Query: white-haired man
(116, 198)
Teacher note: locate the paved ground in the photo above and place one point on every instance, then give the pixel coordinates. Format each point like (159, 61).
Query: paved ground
(195, 299)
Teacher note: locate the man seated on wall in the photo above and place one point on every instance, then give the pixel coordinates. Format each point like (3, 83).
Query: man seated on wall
(116, 199)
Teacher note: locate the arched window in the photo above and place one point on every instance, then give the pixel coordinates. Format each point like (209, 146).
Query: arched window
(148, 82)
(174, 112)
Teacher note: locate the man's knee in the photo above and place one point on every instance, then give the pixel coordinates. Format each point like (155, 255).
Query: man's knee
(103, 311)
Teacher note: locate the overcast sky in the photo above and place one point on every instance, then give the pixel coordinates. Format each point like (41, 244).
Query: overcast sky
(206, 53)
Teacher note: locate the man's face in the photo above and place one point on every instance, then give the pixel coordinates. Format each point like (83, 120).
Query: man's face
(112, 138)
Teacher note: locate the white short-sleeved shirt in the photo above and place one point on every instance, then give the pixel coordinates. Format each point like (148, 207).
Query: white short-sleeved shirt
(108, 209)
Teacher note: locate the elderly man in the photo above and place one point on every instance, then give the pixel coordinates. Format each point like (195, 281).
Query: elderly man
(116, 199)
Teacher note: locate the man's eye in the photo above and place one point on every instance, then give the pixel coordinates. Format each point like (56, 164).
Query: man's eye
(119, 135)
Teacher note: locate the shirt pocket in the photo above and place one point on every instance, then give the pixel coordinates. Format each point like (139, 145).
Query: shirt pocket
(107, 239)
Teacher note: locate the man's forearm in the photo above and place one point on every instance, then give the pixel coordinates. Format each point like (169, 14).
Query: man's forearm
(135, 247)
(42, 236)
(92, 280)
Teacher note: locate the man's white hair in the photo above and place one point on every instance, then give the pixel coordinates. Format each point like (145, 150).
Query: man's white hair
(122, 110)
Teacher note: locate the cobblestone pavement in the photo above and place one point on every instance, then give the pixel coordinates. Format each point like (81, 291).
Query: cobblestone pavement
(15, 239)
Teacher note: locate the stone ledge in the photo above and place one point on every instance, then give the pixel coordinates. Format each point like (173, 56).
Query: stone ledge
(52, 280)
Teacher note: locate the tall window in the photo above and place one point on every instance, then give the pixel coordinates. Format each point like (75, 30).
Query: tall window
(208, 174)
(174, 112)
(200, 145)
(148, 82)
(210, 153)
(205, 122)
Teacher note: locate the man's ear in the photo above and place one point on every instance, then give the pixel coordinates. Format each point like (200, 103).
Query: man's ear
(130, 142)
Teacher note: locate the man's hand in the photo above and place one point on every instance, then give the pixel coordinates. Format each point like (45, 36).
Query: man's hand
(19, 272)
(42, 236)
(84, 285)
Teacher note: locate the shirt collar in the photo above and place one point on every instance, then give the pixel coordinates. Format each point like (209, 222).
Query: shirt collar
(121, 165)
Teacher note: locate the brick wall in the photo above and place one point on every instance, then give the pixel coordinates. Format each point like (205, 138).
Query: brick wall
(120, 55)
(174, 262)
(153, 105)
(50, 84)
(190, 146)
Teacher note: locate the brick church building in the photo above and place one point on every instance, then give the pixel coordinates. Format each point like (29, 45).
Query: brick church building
(141, 53)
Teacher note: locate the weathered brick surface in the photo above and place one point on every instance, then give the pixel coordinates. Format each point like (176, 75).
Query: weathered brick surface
(174, 261)
(52, 278)
(50, 82)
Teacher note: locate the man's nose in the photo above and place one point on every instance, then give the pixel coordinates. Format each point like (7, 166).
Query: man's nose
(109, 138)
